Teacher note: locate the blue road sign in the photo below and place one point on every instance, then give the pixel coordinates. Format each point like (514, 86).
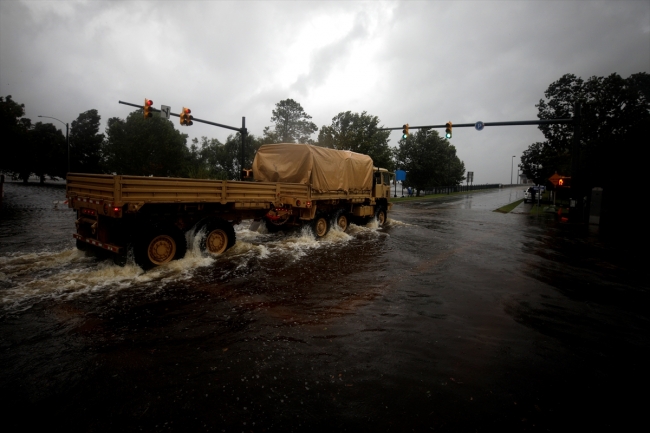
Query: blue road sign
(400, 175)
(479, 126)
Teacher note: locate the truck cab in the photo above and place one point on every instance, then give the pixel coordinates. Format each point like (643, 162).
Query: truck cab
(381, 183)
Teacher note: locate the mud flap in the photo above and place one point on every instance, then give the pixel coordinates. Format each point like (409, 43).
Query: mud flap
(255, 225)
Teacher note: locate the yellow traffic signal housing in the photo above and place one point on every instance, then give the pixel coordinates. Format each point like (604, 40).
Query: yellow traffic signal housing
(405, 131)
(147, 108)
(186, 118)
(448, 130)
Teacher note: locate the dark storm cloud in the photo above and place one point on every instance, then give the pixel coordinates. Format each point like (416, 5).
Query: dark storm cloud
(415, 62)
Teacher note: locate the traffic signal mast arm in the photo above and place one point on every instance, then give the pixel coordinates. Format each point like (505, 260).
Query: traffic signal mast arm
(472, 125)
(191, 117)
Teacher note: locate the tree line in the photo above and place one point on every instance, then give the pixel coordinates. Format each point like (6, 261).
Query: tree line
(144, 147)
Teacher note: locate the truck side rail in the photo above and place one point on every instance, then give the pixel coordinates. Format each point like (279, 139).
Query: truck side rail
(341, 195)
(140, 189)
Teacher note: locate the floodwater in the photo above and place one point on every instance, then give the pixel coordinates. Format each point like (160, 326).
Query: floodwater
(450, 318)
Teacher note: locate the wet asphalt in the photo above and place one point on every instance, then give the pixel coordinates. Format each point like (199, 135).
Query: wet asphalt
(451, 318)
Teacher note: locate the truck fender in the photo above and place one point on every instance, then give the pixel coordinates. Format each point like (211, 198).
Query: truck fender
(309, 213)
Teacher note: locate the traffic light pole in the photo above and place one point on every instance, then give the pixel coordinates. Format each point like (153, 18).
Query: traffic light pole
(577, 202)
(244, 134)
(467, 125)
(576, 211)
(243, 131)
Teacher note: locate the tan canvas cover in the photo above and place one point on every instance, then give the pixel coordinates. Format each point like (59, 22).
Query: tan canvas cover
(324, 169)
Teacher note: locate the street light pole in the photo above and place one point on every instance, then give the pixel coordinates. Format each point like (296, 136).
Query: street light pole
(511, 168)
(67, 138)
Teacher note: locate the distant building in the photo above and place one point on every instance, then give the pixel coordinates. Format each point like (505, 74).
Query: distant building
(523, 179)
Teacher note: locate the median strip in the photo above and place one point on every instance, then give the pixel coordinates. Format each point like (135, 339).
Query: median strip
(509, 207)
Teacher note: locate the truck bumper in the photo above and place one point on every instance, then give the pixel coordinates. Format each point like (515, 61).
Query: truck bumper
(96, 243)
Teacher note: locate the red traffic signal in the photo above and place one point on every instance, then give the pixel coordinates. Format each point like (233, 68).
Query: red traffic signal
(147, 108)
(186, 118)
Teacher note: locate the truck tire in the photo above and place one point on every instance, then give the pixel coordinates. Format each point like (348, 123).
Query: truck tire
(320, 226)
(381, 216)
(219, 236)
(159, 246)
(342, 220)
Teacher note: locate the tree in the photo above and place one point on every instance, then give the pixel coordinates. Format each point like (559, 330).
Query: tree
(47, 148)
(358, 133)
(13, 130)
(144, 147)
(429, 161)
(291, 124)
(215, 160)
(542, 161)
(86, 143)
(614, 120)
(232, 153)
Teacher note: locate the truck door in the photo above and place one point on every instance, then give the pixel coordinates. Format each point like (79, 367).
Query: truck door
(386, 184)
(377, 187)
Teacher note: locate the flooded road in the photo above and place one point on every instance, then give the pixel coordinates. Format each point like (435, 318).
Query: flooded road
(450, 318)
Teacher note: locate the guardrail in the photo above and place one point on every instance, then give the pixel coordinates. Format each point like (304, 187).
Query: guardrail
(463, 188)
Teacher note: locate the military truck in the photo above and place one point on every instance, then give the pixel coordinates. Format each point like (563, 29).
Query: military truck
(293, 185)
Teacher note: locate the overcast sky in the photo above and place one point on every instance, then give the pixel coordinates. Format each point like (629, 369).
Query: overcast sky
(418, 62)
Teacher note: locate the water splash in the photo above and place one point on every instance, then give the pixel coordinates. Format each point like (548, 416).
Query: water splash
(28, 278)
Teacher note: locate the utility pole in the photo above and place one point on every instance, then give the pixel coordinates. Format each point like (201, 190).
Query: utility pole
(244, 134)
(576, 203)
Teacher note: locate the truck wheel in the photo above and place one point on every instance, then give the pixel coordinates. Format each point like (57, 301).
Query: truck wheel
(160, 246)
(220, 235)
(381, 216)
(342, 220)
(321, 225)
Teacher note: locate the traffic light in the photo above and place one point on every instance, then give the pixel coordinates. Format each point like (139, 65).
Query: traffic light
(405, 131)
(186, 118)
(147, 108)
(448, 130)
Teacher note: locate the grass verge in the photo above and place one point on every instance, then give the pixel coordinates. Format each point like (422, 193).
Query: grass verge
(509, 207)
